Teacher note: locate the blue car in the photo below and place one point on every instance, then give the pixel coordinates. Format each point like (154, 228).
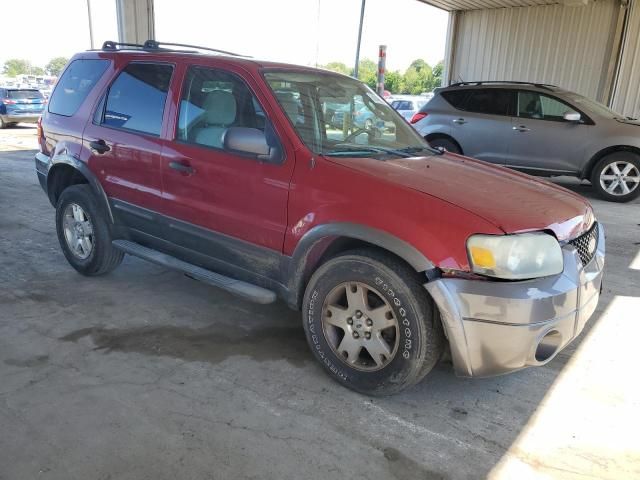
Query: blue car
(20, 105)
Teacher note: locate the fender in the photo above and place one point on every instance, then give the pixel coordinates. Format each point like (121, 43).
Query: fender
(315, 242)
(58, 160)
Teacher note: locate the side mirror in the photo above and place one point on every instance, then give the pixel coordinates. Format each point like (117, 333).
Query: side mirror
(250, 141)
(572, 117)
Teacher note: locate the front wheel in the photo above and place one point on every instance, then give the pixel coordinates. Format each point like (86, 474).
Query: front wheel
(446, 143)
(83, 232)
(371, 323)
(616, 177)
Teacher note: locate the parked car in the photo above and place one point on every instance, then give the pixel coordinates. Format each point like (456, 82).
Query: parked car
(20, 105)
(538, 129)
(392, 250)
(408, 105)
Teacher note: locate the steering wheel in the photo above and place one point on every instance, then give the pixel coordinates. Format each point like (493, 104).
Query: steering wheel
(349, 138)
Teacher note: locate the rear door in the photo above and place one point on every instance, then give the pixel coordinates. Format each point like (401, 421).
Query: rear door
(542, 140)
(125, 144)
(228, 206)
(482, 126)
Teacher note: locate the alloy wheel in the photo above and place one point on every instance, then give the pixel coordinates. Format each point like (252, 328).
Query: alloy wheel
(619, 178)
(360, 326)
(78, 231)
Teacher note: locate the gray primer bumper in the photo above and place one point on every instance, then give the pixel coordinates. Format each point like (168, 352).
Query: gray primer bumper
(495, 327)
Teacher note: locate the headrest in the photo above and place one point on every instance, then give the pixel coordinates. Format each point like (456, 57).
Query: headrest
(220, 108)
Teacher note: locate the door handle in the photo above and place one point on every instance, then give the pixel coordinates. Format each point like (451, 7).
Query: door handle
(100, 146)
(459, 121)
(181, 167)
(521, 128)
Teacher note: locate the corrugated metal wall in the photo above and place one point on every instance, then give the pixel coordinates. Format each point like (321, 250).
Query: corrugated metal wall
(571, 47)
(626, 98)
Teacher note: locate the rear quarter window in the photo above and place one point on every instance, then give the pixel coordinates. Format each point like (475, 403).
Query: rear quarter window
(24, 94)
(74, 86)
(455, 98)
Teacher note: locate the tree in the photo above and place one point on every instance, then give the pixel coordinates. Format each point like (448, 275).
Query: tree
(368, 72)
(393, 81)
(55, 66)
(16, 66)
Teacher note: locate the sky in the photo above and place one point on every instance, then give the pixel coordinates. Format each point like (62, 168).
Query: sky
(306, 32)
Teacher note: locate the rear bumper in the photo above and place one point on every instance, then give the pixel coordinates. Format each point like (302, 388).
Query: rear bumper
(500, 327)
(43, 163)
(21, 117)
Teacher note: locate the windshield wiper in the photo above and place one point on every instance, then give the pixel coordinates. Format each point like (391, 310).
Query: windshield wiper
(348, 148)
(412, 150)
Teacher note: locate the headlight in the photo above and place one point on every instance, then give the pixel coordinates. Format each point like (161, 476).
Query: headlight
(515, 257)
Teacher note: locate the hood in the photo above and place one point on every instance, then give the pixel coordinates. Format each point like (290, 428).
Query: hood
(512, 201)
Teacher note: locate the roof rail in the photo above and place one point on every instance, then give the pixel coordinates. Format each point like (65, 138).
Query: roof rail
(484, 82)
(155, 46)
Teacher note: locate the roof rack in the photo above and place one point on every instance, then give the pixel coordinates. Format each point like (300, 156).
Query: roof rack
(155, 46)
(484, 82)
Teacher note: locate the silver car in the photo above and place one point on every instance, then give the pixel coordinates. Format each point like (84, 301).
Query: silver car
(408, 105)
(540, 129)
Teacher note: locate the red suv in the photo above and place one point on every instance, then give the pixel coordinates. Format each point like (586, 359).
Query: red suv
(230, 170)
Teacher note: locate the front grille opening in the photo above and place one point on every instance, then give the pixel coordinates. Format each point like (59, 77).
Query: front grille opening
(587, 244)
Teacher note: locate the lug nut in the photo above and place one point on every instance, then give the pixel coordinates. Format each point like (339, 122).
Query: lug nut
(358, 314)
(369, 322)
(350, 321)
(367, 335)
(356, 335)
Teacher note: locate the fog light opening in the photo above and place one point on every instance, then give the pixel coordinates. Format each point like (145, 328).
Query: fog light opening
(548, 346)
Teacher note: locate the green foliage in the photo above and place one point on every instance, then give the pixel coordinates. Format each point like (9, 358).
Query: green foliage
(55, 66)
(16, 66)
(420, 77)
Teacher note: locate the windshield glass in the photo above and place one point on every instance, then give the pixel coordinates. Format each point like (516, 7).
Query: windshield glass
(336, 115)
(584, 103)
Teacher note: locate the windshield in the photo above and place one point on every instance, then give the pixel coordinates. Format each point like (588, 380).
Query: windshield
(584, 103)
(336, 115)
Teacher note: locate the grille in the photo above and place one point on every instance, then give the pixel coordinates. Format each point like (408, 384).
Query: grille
(582, 244)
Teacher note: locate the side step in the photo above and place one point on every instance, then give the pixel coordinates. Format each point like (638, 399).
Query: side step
(242, 289)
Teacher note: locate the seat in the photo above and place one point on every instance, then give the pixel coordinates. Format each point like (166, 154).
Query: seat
(220, 112)
(534, 108)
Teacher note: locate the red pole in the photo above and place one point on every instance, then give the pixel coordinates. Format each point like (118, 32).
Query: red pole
(382, 61)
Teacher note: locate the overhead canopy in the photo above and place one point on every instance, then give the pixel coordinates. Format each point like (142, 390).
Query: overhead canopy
(451, 5)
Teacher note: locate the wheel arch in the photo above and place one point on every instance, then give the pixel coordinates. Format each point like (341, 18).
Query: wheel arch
(66, 171)
(326, 241)
(593, 161)
(435, 136)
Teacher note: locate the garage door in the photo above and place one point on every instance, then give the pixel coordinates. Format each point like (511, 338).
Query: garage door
(572, 47)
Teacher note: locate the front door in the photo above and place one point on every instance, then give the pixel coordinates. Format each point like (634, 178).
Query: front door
(125, 144)
(228, 206)
(542, 140)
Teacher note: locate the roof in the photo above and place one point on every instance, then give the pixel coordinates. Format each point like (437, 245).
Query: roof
(451, 5)
(502, 84)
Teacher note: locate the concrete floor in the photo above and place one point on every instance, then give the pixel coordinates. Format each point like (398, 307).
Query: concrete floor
(146, 374)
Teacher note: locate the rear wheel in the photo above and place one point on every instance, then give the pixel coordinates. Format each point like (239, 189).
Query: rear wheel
(371, 324)
(616, 177)
(446, 143)
(84, 234)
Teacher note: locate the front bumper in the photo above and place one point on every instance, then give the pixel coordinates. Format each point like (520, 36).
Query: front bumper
(498, 327)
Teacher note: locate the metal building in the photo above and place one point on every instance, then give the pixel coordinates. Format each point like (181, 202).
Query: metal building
(589, 46)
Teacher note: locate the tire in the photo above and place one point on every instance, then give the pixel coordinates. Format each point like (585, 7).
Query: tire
(96, 256)
(610, 180)
(414, 341)
(446, 143)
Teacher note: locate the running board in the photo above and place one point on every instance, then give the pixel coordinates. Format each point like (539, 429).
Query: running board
(237, 287)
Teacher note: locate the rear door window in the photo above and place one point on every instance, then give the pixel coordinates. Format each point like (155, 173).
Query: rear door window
(74, 86)
(137, 97)
(490, 101)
